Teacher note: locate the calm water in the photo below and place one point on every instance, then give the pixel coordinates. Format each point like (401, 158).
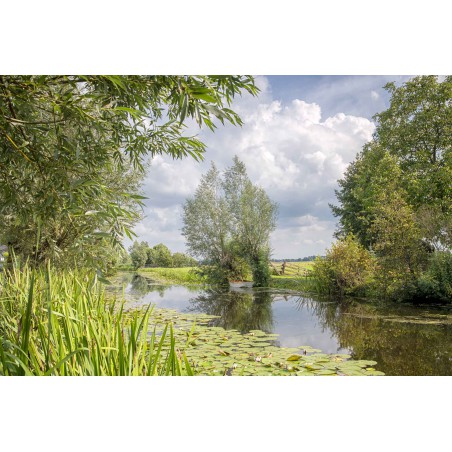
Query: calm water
(404, 340)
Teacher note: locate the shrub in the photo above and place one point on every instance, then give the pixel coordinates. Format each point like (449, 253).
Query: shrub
(436, 283)
(347, 269)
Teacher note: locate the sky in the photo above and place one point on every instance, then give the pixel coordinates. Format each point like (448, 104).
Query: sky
(298, 137)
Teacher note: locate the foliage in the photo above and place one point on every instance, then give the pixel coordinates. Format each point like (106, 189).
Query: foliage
(398, 246)
(186, 275)
(396, 197)
(260, 268)
(373, 173)
(138, 254)
(54, 323)
(347, 269)
(73, 148)
(436, 283)
(142, 254)
(411, 153)
(228, 223)
(160, 256)
(183, 260)
(417, 130)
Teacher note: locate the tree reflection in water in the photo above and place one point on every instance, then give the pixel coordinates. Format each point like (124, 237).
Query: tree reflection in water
(404, 340)
(140, 285)
(238, 310)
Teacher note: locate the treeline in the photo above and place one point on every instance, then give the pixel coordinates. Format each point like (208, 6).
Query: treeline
(141, 255)
(395, 203)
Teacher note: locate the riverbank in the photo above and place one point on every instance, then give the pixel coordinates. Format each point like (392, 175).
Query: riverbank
(188, 276)
(61, 323)
(183, 275)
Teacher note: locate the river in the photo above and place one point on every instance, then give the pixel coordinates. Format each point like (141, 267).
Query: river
(403, 339)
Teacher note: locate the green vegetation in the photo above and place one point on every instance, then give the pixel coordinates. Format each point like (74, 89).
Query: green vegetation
(72, 153)
(347, 269)
(293, 275)
(63, 324)
(227, 224)
(142, 254)
(54, 323)
(186, 275)
(396, 199)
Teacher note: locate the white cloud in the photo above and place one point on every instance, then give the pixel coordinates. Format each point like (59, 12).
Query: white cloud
(288, 149)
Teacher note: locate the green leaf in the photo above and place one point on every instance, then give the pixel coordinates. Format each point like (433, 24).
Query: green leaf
(294, 358)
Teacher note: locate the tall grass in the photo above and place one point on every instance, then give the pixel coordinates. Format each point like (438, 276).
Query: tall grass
(54, 323)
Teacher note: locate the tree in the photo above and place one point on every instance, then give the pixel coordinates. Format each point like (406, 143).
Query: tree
(228, 224)
(66, 141)
(138, 254)
(374, 172)
(183, 260)
(162, 256)
(396, 197)
(411, 152)
(398, 245)
(207, 221)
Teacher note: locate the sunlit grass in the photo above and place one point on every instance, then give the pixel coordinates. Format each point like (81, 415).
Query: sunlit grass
(54, 323)
(184, 275)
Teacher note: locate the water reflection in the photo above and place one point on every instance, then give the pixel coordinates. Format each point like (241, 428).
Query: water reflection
(238, 310)
(404, 340)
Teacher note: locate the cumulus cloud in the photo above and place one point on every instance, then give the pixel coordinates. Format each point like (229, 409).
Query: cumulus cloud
(289, 149)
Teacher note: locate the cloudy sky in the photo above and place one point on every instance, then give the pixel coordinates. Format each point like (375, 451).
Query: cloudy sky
(298, 137)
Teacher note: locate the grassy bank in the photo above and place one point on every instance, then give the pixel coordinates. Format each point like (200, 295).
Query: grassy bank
(296, 276)
(184, 275)
(54, 323)
(292, 279)
(293, 283)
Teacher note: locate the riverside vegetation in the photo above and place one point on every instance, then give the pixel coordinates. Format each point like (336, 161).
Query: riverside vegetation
(63, 324)
(87, 138)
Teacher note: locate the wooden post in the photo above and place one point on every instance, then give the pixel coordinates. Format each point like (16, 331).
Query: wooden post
(283, 267)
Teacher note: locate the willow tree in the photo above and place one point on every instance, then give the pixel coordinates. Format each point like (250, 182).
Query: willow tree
(73, 152)
(228, 223)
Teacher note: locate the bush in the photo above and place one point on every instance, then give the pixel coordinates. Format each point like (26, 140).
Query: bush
(436, 283)
(261, 272)
(347, 269)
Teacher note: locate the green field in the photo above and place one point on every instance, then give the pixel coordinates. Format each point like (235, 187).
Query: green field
(296, 275)
(184, 275)
(293, 269)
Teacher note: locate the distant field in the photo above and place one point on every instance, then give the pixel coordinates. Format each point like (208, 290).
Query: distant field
(294, 268)
(183, 275)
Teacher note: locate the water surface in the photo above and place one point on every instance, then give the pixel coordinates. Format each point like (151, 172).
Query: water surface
(403, 339)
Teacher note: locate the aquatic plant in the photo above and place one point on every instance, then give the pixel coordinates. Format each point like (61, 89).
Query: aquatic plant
(54, 323)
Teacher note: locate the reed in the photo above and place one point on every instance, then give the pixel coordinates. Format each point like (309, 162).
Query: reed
(62, 323)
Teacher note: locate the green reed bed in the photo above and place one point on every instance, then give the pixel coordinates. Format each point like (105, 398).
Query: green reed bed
(55, 323)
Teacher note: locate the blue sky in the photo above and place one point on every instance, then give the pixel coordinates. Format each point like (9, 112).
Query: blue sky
(298, 137)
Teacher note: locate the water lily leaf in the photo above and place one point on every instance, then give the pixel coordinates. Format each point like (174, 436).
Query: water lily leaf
(312, 366)
(294, 358)
(325, 372)
(374, 373)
